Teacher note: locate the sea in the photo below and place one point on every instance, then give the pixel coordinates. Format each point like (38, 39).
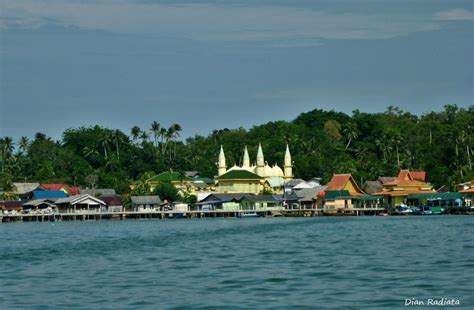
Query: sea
(247, 263)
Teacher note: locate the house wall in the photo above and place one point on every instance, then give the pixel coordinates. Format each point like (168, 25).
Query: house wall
(338, 204)
(236, 186)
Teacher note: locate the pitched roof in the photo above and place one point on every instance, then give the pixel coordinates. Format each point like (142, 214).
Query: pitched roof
(384, 180)
(146, 200)
(468, 191)
(418, 175)
(75, 190)
(217, 197)
(55, 186)
(191, 174)
(24, 188)
(10, 205)
(372, 186)
(37, 202)
(339, 181)
(239, 174)
(77, 199)
(49, 194)
(308, 194)
(99, 192)
(259, 198)
(112, 200)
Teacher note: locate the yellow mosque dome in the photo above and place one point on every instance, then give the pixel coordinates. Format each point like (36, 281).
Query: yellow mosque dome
(277, 172)
(267, 171)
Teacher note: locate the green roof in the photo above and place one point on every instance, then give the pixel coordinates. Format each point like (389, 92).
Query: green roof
(205, 180)
(168, 177)
(337, 194)
(434, 195)
(239, 174)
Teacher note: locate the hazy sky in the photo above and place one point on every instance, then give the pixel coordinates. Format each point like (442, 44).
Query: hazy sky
(216, 64)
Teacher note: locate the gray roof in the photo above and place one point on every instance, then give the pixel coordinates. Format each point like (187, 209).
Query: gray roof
(372, 187)
(146, 200)
(77, 199)
(223, 197)
(260, 198)
(386, 179)
(99, 192)
(294, 182)
(24, 188)
(308, 194)
(191, 174)
(37, 202)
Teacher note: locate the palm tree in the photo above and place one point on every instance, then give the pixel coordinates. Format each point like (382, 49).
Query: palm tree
(7, 148)
(24, 143)
(155, 129)
(351, 133)
(135, 132)
(117, 138)
(163, 135)
(144, 136)
(105, 141)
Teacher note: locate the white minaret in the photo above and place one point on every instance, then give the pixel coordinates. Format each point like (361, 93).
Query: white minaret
(246, 163)
(221, 165)
(288, 168)
(260, 161)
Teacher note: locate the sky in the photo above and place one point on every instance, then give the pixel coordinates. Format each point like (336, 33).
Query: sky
(224, 64)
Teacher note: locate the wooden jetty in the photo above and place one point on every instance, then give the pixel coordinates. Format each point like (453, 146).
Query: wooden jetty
(155, 214)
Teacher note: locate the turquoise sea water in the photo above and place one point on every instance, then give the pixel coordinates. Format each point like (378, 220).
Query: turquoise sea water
(327, 262)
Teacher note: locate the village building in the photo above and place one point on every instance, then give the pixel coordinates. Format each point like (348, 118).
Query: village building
(467, 191)
(255, 178)
(344, 182)
(99, 192)
(25, 190)
(395, 192)
(146, 203)
(259, 203)
(43, 194)
(45, 206)
(80, 203)
(68, 190)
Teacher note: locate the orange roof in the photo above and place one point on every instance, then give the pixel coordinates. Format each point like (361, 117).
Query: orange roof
(400, 193)
(56, 187)
(418, 175)
(405, 183)
(469, 190)
(339, 181)
(404, 174)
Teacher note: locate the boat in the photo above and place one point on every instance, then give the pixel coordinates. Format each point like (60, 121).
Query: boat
(247, 214)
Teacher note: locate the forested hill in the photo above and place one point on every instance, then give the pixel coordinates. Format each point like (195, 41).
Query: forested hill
(321, 142)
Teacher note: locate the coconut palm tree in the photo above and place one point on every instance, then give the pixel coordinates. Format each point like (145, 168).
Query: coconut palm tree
(23, 143)
(155, 130)
(144, 136)
(104, 142)
(117, 138)
(135, 132)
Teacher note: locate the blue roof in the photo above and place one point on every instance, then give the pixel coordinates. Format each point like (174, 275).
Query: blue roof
(48, 194)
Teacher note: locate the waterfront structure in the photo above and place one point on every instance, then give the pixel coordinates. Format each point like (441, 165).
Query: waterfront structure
(25, 190)
(112, 203)
(42, 205)
(81, 202)
(220, 201)
(253, 178)
(396, 192)
(344, 182)
(145, 203)
(10, 207)
(184, 184)
(467, 192)
(259, 203)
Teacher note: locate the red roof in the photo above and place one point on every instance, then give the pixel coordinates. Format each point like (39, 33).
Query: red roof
(339, 181)
(54, 186)
(10, 205)
(112, 201)
(75, 190)
(418, 175)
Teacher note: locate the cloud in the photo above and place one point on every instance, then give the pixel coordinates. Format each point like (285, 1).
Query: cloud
(277, 26)
(455, 15)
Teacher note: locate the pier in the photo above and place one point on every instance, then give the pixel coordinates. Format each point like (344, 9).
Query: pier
(156, 214)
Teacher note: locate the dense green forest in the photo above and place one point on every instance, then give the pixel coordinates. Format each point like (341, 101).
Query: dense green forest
(321, 142)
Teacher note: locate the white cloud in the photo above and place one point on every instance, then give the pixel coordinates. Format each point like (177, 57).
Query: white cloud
(454, 15)
(279, 26)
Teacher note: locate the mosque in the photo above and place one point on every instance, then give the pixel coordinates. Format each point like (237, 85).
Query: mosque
(255, 178)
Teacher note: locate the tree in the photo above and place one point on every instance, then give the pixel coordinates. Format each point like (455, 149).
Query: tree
(166, 191)
(155, 129)
(333, 130)
(24, 143)
(135, 132)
